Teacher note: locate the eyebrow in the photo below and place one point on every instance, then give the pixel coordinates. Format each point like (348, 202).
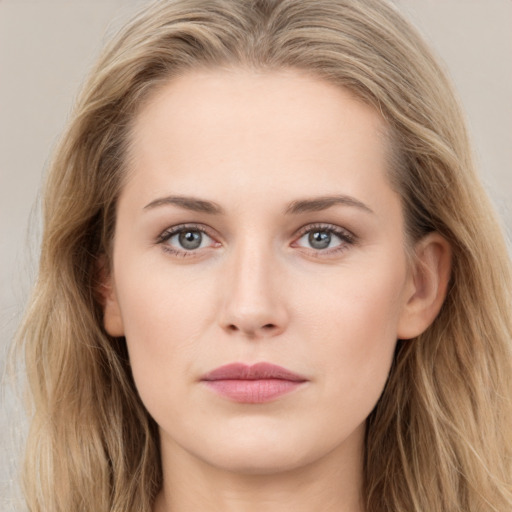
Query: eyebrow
(314, 204)
(188, 203)
(317, 204)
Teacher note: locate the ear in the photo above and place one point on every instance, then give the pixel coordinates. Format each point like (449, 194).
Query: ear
(105, 289)
(427, 287)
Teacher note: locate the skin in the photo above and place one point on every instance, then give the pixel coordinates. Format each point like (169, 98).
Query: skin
(258, 290)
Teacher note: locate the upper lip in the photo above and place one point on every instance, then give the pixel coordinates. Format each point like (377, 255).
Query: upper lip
(240, 371)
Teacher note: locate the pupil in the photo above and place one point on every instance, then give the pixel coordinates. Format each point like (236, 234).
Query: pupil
(319, 239)
(190, 239)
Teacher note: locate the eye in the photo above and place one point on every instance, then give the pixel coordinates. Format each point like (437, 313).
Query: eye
(183, 240)
(320, 239)
(188, 239)
(325, 238)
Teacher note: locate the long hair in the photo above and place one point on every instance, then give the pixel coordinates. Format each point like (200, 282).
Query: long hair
(440, 437)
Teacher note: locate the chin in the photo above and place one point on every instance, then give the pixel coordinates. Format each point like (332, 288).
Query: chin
(259, 460)
(264, 451)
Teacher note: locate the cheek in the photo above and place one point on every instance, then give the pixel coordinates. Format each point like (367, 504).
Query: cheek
(164, 317)
(157, 314)
(353, 327)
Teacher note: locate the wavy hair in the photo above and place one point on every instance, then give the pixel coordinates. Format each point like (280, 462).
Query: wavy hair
(440, 437)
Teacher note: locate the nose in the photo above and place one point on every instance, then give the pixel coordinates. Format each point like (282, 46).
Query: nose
(253, 304)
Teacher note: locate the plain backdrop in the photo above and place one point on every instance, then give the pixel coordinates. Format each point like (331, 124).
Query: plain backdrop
(46, 48)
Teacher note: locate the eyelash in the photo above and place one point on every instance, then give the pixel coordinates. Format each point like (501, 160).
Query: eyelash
(347, 238)
(176, 230)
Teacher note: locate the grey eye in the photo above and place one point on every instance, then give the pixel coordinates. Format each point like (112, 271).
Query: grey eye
(190, 240)
(319, 239)
(186, 240)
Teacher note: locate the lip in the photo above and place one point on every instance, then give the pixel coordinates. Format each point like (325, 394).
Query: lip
(252, 384)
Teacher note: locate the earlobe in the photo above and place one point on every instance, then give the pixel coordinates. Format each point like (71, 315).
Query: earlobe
(112, 319)
(429, 281)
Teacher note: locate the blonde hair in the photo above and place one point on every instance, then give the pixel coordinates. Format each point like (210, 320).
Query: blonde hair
(440, 438)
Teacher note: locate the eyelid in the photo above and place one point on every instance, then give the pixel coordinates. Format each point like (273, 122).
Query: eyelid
(347, 239)
(168, 233)
(333, 228)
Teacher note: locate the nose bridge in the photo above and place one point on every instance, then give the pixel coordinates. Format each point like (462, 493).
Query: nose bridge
(253, 302)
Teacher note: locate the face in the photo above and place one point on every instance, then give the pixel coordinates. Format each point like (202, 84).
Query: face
(256, 225)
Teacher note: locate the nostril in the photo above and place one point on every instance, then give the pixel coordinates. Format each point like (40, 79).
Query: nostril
(266, 327)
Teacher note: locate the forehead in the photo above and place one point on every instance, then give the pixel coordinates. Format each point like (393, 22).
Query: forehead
(202, 99)
(236, 125)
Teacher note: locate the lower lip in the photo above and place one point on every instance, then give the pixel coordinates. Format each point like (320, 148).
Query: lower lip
(253, 391)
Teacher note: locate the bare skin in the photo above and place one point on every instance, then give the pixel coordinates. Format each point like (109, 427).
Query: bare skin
(257, 224)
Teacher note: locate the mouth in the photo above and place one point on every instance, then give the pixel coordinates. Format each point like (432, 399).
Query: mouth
(256, 384)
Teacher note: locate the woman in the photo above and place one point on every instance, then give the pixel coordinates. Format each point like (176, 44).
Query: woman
(253, 202)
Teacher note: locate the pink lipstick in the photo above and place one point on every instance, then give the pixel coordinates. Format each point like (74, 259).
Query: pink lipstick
(256, 384)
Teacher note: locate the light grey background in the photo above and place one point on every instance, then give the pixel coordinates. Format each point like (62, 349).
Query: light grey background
(46, 47)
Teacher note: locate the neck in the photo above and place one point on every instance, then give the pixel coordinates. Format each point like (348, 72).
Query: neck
(330, 484)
